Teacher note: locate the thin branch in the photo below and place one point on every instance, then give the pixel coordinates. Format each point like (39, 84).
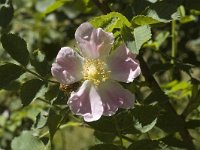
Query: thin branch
(118, 130)
(174, 43)
(39, 76)
(155, 87)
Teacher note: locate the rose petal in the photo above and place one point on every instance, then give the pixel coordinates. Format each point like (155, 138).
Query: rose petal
(86, 102)
(123, 65)
(93, 42)
(68, 66)
(114, 96)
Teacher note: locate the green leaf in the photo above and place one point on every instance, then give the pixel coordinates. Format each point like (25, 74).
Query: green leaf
(156, 97)
(110, 21)
(194, 99)
(52, 92)
(187, 19)
(60, 98)
(161, 38)
(54, 6)
(142, 34)
(8, 73)
(139, 6)
(27, 141)
(13, 86)
(107, 124)
(41, 120)
(173, 142)
(145, 117)
(104, 137)
(105, 147)
(143, 20)
(147, 145)
(134, 39)
(40, 63)
(169, 122)
(54, 121)
(29, 90)
(163, 11)
(104, 124)
(6, 13)
(16, 47)
(177, 89)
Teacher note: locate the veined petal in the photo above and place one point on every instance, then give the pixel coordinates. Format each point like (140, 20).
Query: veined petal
(86, 102)
(68, 66)
(123, 65)
(93, 42)
(114, 96)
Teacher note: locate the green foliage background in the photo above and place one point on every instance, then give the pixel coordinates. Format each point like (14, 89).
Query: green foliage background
(164, 33)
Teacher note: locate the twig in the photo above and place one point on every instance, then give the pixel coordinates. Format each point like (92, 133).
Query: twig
(39, 76)
(174, 48)
(118, 130)
(155, 87)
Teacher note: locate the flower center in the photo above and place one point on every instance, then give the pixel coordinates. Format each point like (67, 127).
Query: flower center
(95, 70)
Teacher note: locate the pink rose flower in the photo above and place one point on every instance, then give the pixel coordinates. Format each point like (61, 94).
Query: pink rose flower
(99, 70)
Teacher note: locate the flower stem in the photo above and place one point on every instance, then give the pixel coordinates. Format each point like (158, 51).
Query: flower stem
(118, 130)
(174, 48)
(39, 76)
(69, 124)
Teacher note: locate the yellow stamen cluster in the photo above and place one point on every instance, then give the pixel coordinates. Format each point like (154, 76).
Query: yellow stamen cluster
(95, 70)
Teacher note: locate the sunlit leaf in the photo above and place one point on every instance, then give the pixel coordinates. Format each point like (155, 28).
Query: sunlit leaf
(41, 120)
(110, 21)
(187, 19)
(177, 90)
(142, 34)
(54, 6)
(144, 20)
(134, 39)
(27, 140)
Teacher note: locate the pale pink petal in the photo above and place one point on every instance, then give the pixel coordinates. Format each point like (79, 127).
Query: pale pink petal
(86, 102)
(114, 96)
(93, 42)
(68, 66)
(123, 65)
